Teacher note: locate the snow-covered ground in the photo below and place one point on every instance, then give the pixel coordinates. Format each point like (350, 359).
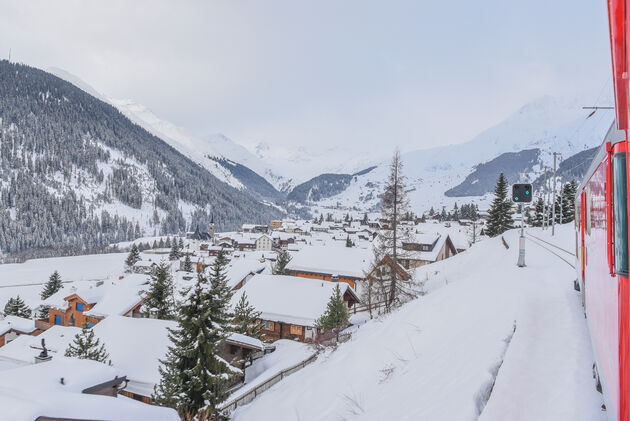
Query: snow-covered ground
(490, 341)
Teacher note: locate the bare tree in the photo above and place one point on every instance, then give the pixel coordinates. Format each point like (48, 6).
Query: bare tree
(394, 206)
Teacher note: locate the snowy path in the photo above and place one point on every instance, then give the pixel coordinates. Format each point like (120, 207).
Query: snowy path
(436, 358)
(546, 371)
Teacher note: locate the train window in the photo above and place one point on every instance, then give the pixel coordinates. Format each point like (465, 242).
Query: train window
(620, 211)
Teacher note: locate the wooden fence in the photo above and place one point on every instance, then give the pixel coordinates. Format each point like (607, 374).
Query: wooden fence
(252, 394)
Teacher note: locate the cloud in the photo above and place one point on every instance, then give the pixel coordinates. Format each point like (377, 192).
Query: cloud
(315, 74)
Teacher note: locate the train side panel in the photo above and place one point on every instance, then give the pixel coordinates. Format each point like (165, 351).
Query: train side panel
(600, 286)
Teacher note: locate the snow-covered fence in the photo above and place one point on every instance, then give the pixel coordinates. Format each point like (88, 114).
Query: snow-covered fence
(252, 394)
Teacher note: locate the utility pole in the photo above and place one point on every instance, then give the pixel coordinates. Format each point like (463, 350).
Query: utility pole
(553, 205)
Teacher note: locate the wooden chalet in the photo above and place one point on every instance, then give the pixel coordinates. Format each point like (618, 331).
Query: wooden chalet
(290, 305)
(12, 326)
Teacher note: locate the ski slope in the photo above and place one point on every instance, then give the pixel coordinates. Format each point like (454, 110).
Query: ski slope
(490, 341)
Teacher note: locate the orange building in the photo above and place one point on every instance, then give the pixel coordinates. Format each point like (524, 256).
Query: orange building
(74, 312)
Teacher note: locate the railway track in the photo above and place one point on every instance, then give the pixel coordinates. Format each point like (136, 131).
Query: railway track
(551, 244)
(542, 243)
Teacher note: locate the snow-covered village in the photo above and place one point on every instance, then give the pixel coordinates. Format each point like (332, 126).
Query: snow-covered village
(292, 211)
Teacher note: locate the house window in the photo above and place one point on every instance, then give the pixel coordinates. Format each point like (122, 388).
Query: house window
(296, 330)
(620, 211)
(71, 321)
(57, 319)
(90, 324)
(79, 306)
(233, 349)
(269, 325)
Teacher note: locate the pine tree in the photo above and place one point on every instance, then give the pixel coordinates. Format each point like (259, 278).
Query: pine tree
(348, 241)
(160, 297)
(52, 286)
(336, 315)
(17, 307)
(174, 254)
(194, 377)
(246, 319)
(282, 260)
(86, 347)
(538, 213)
(500, 215)
(394, 204)
(188, 266)
(180, 244)
(365, 221)
(133, 257)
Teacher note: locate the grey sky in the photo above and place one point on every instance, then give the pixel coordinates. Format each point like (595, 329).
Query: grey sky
(412, 73)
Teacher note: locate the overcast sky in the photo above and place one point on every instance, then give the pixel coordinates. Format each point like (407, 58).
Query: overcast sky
(289, 73)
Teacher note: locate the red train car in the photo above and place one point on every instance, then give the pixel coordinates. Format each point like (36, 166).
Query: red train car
(602, 235)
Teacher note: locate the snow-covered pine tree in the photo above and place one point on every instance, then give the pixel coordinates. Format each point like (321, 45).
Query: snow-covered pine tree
(394, 204)
(500, 213)
(180, 244)
(188, 266)
(86, 346)
(17, 307)
(538, 212)
(282, 260)
(194, 377)
(52, 286)
(160, 297)
(175, 253)
(336, 317)
(133, 257)
(365, 220)
(246, 319)
(348, 241)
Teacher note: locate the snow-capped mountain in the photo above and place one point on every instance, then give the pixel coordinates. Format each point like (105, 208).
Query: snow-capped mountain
(76, 174)
(548, 125)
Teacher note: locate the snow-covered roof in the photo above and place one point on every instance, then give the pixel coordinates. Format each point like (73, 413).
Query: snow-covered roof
(135, 345)
(289, 299)
(117, 301)
(33, 391)
(16, 323)
(240, 268)
(239, 338)
(25, 347)
(429, 256)
(345, 261)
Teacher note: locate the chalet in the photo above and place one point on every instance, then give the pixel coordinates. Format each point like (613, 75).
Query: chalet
(255, 228)
(426, 249)
(343, 264)
(282, 239)
(290, 305)
(12, 326)
(143, 267)
(241, 271)
(80, 389)
(246, 244)
(91, 305)
(136, 346)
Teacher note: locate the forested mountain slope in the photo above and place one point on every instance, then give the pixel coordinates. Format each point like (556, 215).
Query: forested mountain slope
(76, 174)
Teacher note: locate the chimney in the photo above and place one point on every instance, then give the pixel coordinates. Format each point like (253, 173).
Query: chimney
(43, 356)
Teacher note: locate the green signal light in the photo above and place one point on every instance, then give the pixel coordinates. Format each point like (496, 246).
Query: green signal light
(516, 198)
(527, 192)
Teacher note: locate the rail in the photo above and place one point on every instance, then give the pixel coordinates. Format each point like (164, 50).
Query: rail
(551, 244)
(551, 251)
(267, 384)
